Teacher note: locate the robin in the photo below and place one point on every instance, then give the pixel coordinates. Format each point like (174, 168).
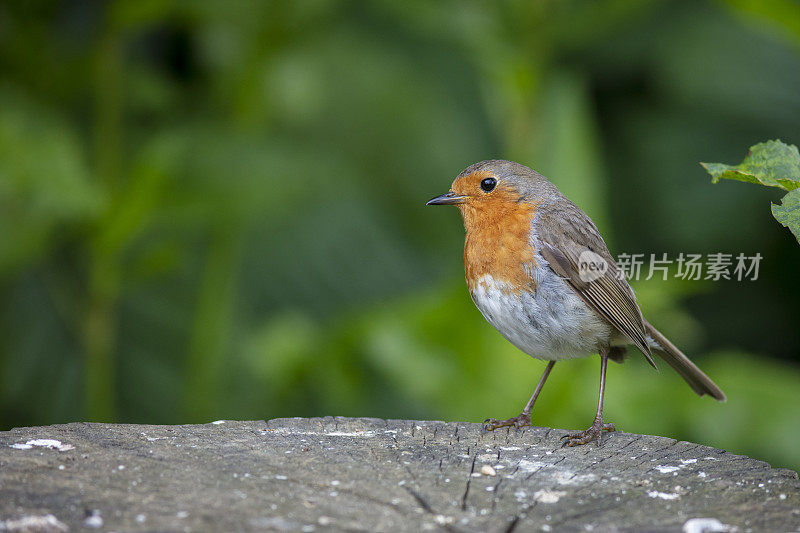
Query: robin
(541, 274)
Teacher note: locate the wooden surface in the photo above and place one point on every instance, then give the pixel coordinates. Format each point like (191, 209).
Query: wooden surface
(367, 474)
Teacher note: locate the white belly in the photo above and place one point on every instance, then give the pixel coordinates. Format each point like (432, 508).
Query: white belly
(552, 323)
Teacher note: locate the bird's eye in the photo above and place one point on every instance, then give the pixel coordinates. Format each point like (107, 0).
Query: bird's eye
(487, 184)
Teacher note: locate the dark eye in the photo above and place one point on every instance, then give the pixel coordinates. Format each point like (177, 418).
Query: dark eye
(487, 184)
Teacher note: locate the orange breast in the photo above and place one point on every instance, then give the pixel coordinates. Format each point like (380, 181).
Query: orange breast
(497, 241)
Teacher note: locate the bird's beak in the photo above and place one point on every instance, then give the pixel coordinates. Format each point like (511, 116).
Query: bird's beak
(448, 198)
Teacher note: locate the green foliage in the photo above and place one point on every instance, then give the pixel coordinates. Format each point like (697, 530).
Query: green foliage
(770, 163)
(788, 213)
(773, 164)
(39, 196)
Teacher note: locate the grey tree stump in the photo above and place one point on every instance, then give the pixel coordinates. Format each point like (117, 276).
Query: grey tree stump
(367, 474)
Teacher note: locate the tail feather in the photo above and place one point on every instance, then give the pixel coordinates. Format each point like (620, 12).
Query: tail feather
(697, 380)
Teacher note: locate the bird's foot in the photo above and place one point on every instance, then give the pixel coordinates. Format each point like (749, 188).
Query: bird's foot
(522, 420)
(593, 433)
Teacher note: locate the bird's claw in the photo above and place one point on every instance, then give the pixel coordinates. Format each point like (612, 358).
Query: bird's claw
(595, 432)
(520, 421)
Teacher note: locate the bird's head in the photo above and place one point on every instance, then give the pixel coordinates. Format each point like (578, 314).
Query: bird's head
(491, 190)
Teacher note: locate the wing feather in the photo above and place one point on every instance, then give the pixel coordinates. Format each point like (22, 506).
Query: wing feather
(564, 235)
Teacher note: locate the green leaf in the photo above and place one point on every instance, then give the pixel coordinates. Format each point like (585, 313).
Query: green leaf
(788, 213)
(770, 163)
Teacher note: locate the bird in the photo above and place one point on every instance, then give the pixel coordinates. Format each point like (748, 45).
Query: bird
(540, 272)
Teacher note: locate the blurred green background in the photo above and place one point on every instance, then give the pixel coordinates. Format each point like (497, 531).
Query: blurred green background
(215, 209)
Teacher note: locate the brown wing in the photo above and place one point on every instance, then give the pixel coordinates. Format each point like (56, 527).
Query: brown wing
(563, 237)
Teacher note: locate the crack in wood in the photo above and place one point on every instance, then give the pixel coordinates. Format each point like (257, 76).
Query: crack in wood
(466, 488)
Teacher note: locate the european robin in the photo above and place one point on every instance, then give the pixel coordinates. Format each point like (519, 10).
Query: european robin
(541, 274)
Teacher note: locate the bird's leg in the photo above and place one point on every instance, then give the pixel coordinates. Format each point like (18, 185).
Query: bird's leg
(595, 432)
(524, 418)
